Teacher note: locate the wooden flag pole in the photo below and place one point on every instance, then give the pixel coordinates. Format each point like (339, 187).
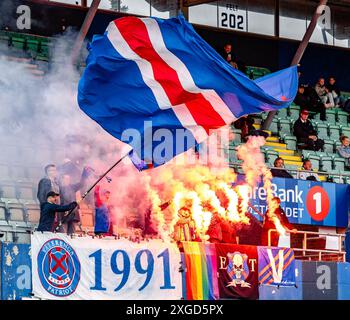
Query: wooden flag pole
(300, 52)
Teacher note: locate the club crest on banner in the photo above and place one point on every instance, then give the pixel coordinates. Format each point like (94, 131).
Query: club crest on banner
(238, 269)
(58, 268)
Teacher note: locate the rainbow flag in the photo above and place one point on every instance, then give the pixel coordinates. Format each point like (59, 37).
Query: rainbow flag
(201, 271)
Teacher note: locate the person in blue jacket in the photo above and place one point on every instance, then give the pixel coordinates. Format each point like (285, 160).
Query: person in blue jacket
(102, 212)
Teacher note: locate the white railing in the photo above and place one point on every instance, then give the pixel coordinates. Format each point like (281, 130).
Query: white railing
(309, 253)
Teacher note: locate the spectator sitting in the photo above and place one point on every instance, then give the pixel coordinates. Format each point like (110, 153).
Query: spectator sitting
(47, 184)
(335, 91)
(245, 123)
(308, 99)
(278, 171)
(305, 175)
(344, 149)
(324, 94)
(305, 132)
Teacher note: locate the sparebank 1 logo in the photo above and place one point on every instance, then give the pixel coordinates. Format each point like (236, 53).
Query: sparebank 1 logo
(58, 268)
(317, 203)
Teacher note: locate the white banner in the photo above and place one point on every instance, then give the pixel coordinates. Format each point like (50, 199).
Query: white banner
(86, 268)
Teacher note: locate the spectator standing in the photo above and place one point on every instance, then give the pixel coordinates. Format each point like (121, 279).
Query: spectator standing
(278, 171)
(324, 94)
(308, 99)
(344, 149)
(48, 211)
(305, 132)
(304, 174)
(47, 184)
(68, 195)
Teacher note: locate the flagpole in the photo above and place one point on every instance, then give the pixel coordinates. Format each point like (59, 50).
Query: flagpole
(84, 30)
(89, 190)
(300, 52)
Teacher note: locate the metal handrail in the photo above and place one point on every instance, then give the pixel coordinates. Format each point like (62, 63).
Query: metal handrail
(323, 173)
(304, 249)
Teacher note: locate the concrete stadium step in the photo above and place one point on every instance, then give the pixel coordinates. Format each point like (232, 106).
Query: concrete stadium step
(291, 158)
(276, 144)
(294, 163)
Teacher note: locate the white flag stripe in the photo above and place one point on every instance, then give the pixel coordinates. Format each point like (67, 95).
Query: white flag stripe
(183, 73)
(186, 119)
(219, 105)
(121, 46)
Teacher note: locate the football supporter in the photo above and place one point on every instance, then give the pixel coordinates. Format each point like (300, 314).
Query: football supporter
(270, 224)
(278, 171)
(48, 211)
(344, 149)
(305, 132)
(305, 173)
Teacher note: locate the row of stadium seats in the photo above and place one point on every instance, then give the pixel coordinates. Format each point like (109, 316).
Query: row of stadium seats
(20, 173)
(37, 46)
(14, 214)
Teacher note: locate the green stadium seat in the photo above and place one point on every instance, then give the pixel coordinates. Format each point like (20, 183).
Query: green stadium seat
(232, 155)
(338, 163)
(291, 142)
(347, 180)
(315, 160)
(284, 126)
(337, 144)
(326, 163)
(237, 135)
(334, 132)
(345, 131)
(322, 130)
(307, 153)
(294, 112)
(331, 116)
(342, 117)
(274, 125)
(335, 175)
(328, 146)
(282, 113)
(271, 156)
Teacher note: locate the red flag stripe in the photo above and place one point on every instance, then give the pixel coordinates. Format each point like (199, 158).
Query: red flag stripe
(138, 40)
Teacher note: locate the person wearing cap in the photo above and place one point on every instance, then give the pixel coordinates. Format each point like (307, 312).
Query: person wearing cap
(305, 132)
(48, 211)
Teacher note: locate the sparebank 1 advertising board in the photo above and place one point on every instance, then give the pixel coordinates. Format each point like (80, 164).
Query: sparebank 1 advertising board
(307, 202)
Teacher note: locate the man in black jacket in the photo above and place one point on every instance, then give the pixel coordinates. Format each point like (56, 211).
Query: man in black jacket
(308, 99)
(305, 132)
(49, 183)
(48, 211)
(278, 171)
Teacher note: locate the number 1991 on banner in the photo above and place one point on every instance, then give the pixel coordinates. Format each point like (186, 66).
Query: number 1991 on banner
(123, 266)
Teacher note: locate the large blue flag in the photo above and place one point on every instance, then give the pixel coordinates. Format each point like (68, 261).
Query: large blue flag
(158, 86)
